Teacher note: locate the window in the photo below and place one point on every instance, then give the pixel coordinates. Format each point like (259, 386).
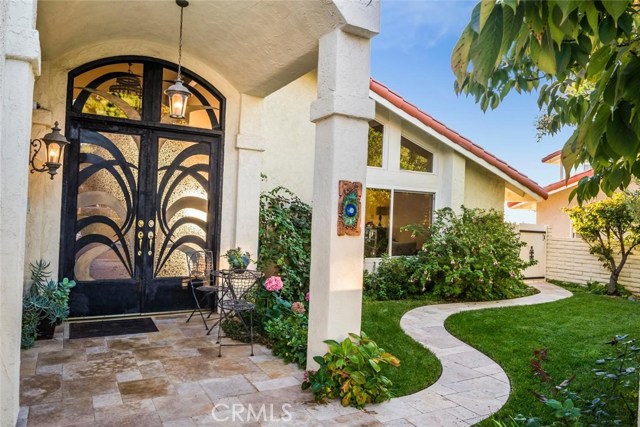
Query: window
(409, 209)
(414, 158)
(377, 208)
(118, 90)
(374, 153)
(386, 212)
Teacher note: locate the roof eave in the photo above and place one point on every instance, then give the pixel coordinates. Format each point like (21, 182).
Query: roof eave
(538, 195)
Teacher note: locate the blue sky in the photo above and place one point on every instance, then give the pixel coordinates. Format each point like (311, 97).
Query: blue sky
(411, 55)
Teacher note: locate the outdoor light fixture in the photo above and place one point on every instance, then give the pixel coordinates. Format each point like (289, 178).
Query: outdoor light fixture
(178, 94)
(128, 85)
(54, 143)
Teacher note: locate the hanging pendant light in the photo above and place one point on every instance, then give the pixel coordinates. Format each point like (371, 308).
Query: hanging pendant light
(178, 94)
(128, 88)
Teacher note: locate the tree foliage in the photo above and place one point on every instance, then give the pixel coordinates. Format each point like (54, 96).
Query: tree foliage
(583, 57)
(611, 228)
(374, 152)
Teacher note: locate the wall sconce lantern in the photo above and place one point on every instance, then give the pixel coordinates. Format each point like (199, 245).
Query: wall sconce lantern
(178, 94)
(54, 143)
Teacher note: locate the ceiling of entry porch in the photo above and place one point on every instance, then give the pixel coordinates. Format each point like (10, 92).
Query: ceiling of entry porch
(259, 46)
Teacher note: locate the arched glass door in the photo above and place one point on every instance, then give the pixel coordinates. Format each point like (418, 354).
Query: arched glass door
(140, 189)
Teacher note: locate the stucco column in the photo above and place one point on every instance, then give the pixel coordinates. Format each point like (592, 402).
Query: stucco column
(341, 114)
(250, 145)
(20, 52)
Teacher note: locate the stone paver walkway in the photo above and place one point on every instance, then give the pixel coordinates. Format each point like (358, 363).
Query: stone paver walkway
(472, 386)
(173, 378)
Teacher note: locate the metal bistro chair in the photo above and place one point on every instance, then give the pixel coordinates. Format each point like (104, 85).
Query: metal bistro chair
(239, 284)
(202, 279)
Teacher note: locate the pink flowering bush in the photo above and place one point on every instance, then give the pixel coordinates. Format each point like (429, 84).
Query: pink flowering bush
(306, 297)
(273, 284)
(282, 323)
(298, 307)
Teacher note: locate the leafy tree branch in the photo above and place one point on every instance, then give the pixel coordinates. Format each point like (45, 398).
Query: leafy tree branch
(583, 58)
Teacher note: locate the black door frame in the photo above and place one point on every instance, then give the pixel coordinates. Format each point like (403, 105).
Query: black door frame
(149, 130)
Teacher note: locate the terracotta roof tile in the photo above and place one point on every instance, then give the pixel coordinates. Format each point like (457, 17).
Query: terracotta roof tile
(454, 136)
(565, 183)
(551, 156)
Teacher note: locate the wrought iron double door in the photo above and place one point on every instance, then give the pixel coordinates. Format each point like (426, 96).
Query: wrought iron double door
(136, 199)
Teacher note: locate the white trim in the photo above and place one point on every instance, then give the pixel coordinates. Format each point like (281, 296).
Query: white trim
(457, 148)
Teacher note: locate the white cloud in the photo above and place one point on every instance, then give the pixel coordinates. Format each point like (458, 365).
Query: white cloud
(407, 23)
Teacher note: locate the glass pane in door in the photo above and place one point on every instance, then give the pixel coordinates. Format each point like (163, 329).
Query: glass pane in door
(107, 204)
(182, 204)
(203, 106)
(113, 90)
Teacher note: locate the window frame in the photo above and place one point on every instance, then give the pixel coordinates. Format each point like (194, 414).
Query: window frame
(421, 145)
(392, 191)
(385, 130)
(152, 71)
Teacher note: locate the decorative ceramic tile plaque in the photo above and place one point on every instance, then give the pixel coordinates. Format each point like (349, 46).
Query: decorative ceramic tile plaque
(350, 194)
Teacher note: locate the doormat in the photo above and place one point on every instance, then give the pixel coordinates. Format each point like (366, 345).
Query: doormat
(105, 328)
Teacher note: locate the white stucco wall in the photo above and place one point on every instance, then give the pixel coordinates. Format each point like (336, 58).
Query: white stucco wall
(482, 189)
(289, 137)
(19, 63)
(549, 212)
(288, 157)
(50, 91)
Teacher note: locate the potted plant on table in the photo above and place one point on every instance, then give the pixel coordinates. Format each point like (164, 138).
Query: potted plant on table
(237, 259)
(44, 305)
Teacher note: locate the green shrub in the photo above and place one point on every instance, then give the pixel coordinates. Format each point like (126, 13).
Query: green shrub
(473, 256)
(593, 287)
(351, 371)
(285, 241)
(598, 288)
(284, 324)
(288, 338)
(394, 278)
(277, 323)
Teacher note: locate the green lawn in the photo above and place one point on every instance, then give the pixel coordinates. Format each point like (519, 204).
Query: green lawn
(419, 368)
(573, 331)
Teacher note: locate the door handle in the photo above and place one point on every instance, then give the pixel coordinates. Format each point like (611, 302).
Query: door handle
(150, 237)
(140, 237)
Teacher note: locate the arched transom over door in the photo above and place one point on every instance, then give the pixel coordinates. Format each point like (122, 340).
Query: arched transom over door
(141, 189)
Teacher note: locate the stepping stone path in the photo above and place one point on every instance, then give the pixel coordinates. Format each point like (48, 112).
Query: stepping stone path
(472, 386)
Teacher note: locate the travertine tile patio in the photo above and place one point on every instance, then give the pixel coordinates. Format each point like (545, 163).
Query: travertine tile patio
(173, 378)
